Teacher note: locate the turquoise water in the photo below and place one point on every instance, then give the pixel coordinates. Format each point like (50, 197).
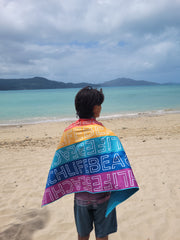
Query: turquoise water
(31, 106)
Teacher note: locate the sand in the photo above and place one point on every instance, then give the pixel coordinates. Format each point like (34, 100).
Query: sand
(152, 144)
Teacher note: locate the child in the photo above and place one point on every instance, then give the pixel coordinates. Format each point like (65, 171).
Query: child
(90, 161)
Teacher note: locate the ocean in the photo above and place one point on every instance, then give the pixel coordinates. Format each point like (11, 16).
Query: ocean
(35, 106)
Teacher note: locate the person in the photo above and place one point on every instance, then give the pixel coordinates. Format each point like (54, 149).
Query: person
(90, 208)
(90, 162)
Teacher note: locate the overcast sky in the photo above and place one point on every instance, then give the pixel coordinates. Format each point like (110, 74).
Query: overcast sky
(90, 40)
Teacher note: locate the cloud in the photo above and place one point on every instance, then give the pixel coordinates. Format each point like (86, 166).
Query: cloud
(87, 40)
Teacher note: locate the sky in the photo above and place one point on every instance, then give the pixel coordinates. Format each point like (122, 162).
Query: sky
(90, 40)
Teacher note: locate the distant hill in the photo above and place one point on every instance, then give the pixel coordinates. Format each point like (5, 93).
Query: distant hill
(43, 83)
(127, 82)
(36, 83)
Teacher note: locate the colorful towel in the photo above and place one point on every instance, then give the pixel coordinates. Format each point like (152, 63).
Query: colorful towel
(90, 158)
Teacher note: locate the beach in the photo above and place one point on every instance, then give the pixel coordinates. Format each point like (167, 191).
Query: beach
(152, 144)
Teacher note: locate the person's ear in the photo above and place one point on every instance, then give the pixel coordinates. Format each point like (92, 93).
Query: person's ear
(96, 110)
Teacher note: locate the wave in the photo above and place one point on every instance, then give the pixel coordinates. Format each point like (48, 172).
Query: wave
(146, 113)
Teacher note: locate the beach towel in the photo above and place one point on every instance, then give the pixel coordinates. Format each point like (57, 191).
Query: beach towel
(90, 158)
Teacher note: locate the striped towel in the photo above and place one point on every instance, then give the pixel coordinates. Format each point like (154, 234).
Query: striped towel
(90, 158)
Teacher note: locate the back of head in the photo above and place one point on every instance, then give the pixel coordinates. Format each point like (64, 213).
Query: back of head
(85, 101)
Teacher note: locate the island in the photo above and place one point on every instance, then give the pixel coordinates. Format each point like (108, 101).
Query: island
(43, 83)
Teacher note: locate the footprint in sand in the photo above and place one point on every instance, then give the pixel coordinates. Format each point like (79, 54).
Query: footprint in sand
(30, 221)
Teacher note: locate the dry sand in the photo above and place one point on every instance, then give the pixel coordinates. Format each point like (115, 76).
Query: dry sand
(152, 144)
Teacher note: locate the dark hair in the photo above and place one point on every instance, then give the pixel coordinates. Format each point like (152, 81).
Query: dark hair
(85, 101)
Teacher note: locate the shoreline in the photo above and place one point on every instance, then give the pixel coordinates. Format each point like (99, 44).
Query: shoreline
(103, 117)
